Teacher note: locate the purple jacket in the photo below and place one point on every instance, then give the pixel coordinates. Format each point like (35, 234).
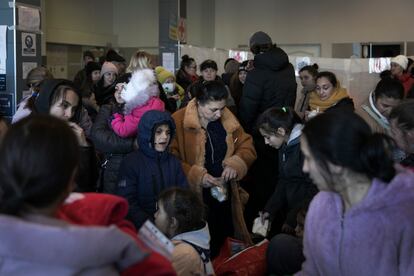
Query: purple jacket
(374, 237)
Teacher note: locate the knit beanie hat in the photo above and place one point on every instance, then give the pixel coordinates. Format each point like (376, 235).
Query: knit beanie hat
(260, 38)
(108, 67)
(400, 60)
(92, 66)
(209, 63)
(163, 74)
(114, 56)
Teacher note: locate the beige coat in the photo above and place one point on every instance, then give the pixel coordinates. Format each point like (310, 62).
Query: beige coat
(189, 146)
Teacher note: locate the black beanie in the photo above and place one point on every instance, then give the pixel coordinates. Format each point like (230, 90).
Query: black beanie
(92, 66)
(208, 64)
(112, 55)
(243, 66)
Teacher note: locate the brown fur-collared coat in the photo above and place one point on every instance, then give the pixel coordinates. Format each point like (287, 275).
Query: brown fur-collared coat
(189, 146)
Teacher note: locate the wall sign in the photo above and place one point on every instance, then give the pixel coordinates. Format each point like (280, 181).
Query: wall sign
(3, 85)
(28, 45)
(6, 104)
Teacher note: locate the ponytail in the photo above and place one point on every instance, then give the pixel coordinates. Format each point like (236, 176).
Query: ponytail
(186, 61)
(275, 117)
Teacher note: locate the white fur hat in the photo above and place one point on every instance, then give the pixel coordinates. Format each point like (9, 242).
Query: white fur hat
(400, 60)
(142, 86)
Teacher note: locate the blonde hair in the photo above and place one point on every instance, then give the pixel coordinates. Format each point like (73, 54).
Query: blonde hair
(140, 60)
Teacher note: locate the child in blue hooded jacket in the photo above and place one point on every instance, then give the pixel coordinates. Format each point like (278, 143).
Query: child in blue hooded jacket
(151, 169)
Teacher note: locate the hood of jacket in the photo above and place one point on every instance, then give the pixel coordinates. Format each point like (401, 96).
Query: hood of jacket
(48, 89)
(200, 237)
(294, 137)
(275, 60)
(146, 130)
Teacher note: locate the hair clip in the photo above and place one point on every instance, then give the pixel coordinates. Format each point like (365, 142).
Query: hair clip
(284, 109)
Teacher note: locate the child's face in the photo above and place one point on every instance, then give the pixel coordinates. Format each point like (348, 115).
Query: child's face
(306, 79)
(96, 75)
(209, 74)
(162, 138)
(275, 140)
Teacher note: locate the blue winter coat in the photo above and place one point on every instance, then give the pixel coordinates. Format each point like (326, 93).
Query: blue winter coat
(145, 173)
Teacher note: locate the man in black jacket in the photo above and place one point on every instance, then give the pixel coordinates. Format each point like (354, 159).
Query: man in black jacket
(271, 83)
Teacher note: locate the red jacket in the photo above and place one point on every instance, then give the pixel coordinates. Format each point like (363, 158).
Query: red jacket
(103, 209)
(407, 81)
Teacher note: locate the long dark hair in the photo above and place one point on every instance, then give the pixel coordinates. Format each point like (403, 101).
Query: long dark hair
(275, 117)
(38, 158)
(185, 206)
(404, 115)
(345, 139)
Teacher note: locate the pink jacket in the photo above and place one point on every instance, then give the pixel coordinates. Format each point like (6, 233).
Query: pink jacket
(127, 125)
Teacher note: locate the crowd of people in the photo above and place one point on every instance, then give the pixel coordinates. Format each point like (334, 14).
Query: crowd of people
(85, 163)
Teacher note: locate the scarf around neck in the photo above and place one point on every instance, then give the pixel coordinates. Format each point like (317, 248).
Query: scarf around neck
(316, 103)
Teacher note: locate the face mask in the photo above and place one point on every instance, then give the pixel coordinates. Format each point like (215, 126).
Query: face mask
(168, 87)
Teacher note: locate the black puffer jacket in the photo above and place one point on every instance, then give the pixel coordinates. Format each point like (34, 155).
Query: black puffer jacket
(112, 147)
(344, 105)
(104, 95)
(271, 83)
(294, 189)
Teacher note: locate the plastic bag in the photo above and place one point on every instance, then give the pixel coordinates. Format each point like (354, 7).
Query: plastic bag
(248, 261)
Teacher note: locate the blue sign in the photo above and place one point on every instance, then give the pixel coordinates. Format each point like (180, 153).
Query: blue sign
(6, 104)
(3, 82)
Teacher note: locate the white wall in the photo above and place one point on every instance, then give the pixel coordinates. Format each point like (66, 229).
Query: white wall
(81, 22)
(321, 21)
(229, 23)
(136, 23)
(201, 23)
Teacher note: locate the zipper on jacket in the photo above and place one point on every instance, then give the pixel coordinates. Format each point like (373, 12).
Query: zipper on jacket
(211, 145)
(161, 174)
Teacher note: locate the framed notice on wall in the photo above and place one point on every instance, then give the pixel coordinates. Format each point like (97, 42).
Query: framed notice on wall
(28, 18)
(28, 45)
